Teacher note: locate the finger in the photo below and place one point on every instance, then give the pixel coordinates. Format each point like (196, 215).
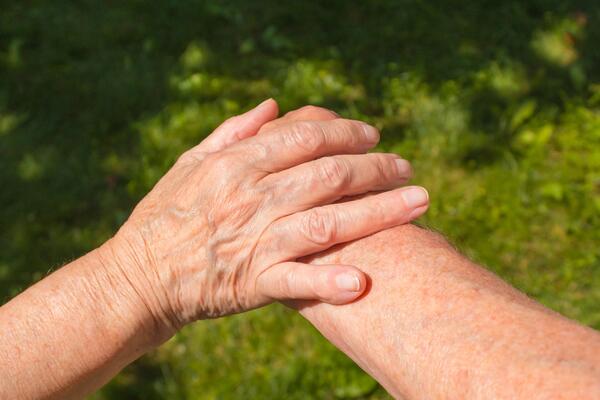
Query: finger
(309, 112)
(302, 141)
(328, 179)
(306, 113)
(334, 284)
(319, 228)
(240, 127)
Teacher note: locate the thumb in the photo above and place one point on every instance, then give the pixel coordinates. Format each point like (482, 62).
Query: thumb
(240, 127)
(334, 284)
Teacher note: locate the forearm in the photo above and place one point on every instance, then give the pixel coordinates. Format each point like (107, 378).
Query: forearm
(434, 325)
(220, 233)
(71, 332)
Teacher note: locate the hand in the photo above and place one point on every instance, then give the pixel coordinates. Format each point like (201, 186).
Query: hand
(221, 231)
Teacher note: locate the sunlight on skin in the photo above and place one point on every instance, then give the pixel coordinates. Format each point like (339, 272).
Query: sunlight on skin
(93, 81)
(433, 325)
(219, 234)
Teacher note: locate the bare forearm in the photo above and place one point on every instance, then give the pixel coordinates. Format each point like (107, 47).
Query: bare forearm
(434, 325)
(220, 233)
(71, 332)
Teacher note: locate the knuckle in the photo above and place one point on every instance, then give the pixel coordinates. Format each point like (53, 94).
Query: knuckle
(319, 227)
(333, 173)
(231, 121)
(269, 126)
(257, 150)
(307, 135)
(190, 156)
(313, 112)
(227, 124)
(350, 130)
(287, 283)
(220, 163)
(309, 109)
(321, 287)
(379, 214)
(214, 160)
(386, 167)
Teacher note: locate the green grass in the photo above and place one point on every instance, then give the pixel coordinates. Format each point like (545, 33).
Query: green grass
(496, 103)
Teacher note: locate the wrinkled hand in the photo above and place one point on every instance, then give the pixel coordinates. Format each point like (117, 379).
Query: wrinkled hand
(221, 231)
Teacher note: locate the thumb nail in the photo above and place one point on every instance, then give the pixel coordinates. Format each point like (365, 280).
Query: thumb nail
(415, 197)
(347, 282)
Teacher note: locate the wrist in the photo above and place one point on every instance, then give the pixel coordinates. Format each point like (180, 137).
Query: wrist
(135, 288)
(86, 321)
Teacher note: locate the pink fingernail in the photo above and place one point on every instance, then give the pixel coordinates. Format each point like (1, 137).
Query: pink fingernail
(403, 166)
(347, 282)
(415, 197)
(264, 102)
(371, 134)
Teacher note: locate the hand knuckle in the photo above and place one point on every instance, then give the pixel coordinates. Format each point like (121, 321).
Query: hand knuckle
(312, 112)
(258, 150)
(214, 160)
(308, 135)
(309, 108)
(231, 121)
(320, 227)
(379, 214)
(221, 164)
(302, 111)
(350, 130)
(190, 156)
(321, 288)
(333, 173)
(286, 285)
(386, 167)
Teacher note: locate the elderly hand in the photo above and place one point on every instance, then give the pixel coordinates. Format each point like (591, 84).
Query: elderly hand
(221, 231)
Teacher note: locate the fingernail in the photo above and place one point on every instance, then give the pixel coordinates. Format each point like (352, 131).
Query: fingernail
(415, 197)
(347, 282)
(257, 107)
(264, 102)
(404, 168)
(371, 134)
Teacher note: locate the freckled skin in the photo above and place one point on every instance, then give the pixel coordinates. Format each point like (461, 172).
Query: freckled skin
(429, 324)
(219, 225)
(433, 325)
(220, 233)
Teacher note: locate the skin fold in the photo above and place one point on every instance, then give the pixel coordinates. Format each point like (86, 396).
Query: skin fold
(220, 233)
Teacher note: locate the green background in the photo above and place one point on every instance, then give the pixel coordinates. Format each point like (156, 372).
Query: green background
(496, 103)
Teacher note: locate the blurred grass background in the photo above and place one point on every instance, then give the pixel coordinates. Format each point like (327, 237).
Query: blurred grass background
(497, 104)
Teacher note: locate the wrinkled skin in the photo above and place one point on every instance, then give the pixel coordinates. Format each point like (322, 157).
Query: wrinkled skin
(221, 231)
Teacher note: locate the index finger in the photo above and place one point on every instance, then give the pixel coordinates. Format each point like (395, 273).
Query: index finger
(306, 113)
(301, 141)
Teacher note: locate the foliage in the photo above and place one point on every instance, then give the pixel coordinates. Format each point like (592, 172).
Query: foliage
(496, 103)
